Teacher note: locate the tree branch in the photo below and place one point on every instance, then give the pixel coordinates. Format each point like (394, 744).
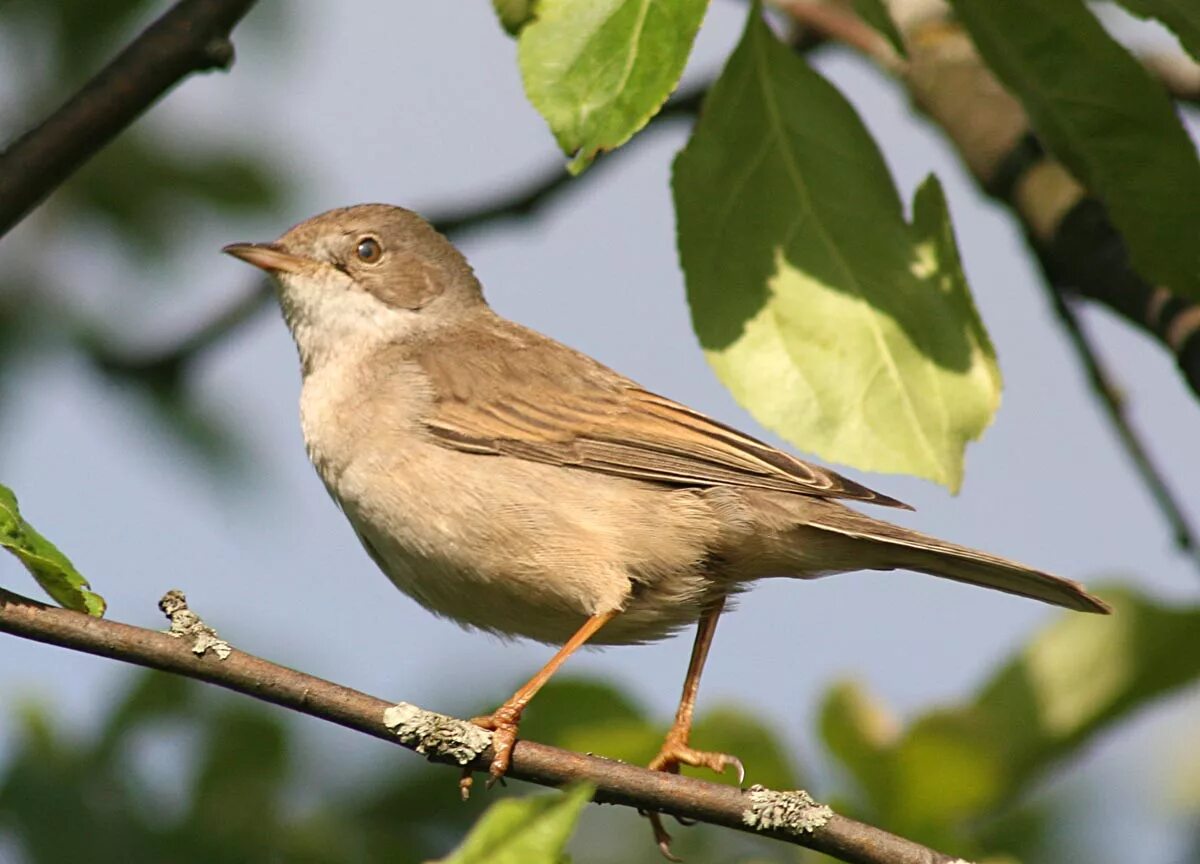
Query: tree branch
(193, 36)
(1079, 249)
(788, 816)
(1178, 73)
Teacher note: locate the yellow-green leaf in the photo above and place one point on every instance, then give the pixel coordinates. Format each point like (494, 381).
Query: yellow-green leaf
(835, 322)
(858, 729)
(513, 14)
(532, 830)
(50, 567)
(598, 70)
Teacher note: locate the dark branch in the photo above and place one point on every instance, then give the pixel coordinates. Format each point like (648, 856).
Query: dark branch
(615, 782)
(192, 36)
(530, 197)
(1082, 253)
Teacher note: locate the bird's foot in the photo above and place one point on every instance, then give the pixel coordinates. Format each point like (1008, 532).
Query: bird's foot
(674, 753)
(503, 724)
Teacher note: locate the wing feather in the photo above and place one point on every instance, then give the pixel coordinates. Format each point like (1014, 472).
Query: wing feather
(505, 390)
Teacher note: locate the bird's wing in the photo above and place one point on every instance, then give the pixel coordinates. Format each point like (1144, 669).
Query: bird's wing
(505, 390)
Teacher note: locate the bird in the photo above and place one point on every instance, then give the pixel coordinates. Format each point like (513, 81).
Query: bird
(514, 485)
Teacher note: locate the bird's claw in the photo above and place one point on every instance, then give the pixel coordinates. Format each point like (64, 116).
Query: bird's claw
(661, 838)
(503, 723)
(675, 754)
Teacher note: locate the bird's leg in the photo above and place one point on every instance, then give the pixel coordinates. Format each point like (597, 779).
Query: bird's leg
(504, 720)
(675, 750)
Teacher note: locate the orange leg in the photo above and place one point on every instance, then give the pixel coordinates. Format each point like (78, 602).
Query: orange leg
(675, 750)
(504, 720)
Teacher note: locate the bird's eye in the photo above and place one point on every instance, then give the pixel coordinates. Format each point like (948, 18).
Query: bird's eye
(369, 250)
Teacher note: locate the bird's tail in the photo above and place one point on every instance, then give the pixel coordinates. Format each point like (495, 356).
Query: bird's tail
(894, 547)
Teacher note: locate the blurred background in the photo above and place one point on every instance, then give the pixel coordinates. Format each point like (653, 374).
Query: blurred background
(193, 475)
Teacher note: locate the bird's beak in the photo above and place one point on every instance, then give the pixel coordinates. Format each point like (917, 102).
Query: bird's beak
(268, 256)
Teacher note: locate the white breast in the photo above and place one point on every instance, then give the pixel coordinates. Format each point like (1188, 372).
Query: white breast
(500, 543)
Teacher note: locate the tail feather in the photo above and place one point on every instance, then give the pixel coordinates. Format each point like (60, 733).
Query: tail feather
(895, 547)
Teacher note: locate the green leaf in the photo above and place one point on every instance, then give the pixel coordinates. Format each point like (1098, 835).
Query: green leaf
(531, 830)
(1114, 127)
(836, 323)
(242, 773)
(1080, 676)
(137, 183)
(51, 568)
(150, 697)
(598, 70)
(513, 14)
(858, 729)
(592, 717)
(1182, 17)
(875, 13)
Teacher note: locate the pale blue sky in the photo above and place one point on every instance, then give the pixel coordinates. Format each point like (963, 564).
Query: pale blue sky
(420, 104)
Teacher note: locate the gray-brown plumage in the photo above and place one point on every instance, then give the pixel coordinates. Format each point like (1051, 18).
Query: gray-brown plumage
(515, 485)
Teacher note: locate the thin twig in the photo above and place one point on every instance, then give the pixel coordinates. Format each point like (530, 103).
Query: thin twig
(192, 36)
(547, 184)
(163, 369)
(781, 815)
(827, 21)
(1110, 398)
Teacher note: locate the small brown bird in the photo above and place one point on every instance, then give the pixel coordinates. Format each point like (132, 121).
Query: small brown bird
(514, 485)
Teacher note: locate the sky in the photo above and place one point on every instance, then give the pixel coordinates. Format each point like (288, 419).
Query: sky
(420, 104)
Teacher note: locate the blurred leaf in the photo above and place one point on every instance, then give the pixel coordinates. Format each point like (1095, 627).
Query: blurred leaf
(858, 729)
(531, 830)
(153, 696)
(1030, 831)
(50, 567)
(591, 717)
(1182, 17)
(1098, 110)
(875, 13)
(513, 14)
(79, 34)
(242, 772)
(596, 717)
(412, 813)
(58, 807)
(1085, 672)
(1078, 677)
(836, 323)
(139, 186)
(598, 70)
